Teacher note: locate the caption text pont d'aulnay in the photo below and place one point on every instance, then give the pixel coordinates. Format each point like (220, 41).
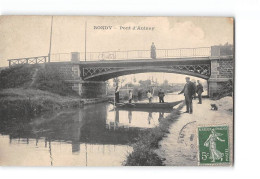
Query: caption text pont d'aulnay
(145, 28)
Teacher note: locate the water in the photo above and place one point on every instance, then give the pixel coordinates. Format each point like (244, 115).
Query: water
(96, 135)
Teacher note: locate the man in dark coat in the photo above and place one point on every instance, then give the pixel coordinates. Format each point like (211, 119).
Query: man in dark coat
(199, 91)
(161, 96)
(189, 91)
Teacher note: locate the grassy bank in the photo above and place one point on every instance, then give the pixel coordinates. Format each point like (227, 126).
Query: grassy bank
(29, 90)
(36, 77)
(144, 149)
(31, 102)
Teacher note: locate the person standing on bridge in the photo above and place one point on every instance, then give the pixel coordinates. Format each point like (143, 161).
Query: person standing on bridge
(153, 51)
(189, 91)
(199, 91)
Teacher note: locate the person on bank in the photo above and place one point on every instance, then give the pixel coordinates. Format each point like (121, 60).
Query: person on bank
(117, 94)
(153, 51)
(189, 91)
(149, 96)
(161, 96)
(130, 96)
(199, 91)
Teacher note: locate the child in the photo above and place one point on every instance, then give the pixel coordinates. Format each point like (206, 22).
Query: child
(149, 96)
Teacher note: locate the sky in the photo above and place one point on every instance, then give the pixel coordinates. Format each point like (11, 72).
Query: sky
(28, 36)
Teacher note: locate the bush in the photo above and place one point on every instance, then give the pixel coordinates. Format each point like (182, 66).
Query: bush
(226, 90)
(16, 76)
(47, 79)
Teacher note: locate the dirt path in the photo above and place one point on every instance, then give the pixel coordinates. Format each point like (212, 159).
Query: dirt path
(179, 147)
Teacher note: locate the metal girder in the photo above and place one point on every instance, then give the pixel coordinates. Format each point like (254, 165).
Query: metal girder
(203, 69)
(87, 72)
(199, 69)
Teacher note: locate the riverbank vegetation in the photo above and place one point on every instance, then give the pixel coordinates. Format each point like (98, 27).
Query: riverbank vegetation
(144, 150)
(32, 89)
(31, 102)
(227, 89)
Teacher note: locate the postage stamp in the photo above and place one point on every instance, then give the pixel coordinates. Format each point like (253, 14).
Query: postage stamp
(213, 145)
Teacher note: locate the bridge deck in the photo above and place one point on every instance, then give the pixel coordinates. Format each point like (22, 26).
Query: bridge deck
(141, 62)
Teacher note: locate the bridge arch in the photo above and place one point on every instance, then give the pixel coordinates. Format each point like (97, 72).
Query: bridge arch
(116, 72)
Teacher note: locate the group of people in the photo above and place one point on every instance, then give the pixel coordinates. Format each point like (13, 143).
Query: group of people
(190, 89)
(149, 96)
(160, 95)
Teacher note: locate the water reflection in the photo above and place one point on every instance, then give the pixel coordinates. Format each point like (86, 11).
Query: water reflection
(97, 135)
(130, 116)
(132, 120)
(161, 116)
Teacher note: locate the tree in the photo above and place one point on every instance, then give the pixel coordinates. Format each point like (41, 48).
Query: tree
(134, 80)
(122, 80)
(115, 81)
(165, 83)
(145, 83)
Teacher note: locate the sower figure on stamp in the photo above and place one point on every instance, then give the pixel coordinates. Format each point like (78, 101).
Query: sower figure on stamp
(211, 144)
(153, 51)
(189, 91)
(199, 91)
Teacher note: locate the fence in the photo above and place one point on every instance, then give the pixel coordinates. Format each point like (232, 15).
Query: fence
(135, 54)
(116, 55)
(29, 60)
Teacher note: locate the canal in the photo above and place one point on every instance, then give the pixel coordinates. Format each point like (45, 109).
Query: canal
(96, 135)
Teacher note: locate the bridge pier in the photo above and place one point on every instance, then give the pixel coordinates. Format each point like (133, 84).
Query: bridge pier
(71, 73)
(222, 69)
(76, 86)
(94, 89)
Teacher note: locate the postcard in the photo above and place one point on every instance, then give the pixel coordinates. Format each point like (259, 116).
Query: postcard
(116, 91)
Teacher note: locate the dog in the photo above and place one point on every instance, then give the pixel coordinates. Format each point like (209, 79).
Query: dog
(214, 107)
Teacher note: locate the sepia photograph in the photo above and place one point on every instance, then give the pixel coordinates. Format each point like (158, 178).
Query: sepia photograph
(116, 91)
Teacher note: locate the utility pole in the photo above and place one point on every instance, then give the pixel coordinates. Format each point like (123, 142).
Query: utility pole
(50, 40)
(85, 40)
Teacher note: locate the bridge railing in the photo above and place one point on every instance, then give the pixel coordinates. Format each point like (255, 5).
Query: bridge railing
(136, 54)
(117, 55)
(28, 60)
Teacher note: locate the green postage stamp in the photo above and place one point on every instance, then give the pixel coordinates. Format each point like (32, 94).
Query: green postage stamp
(213, 145)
